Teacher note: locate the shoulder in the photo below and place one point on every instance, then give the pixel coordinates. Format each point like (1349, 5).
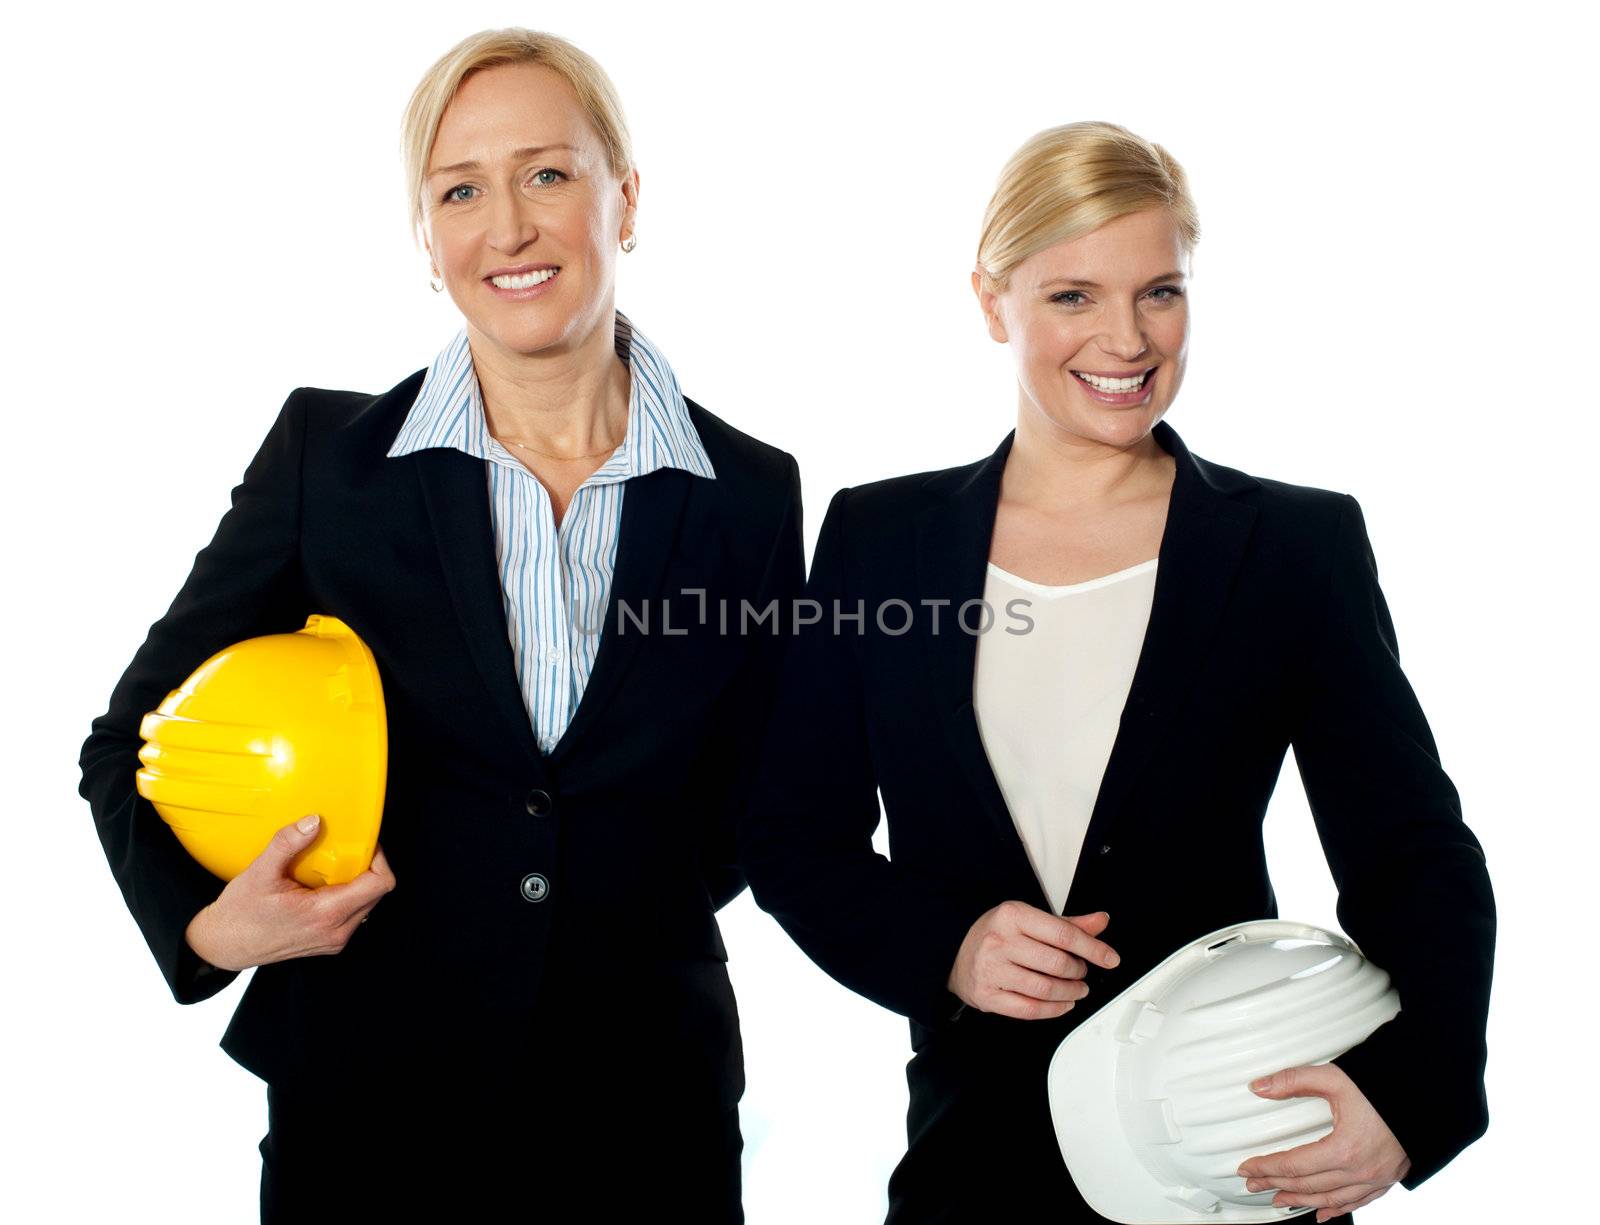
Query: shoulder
(1296, 528)
(884, 512)
(747, 469)
(336, 413)
(1280, 506)
(887, 511)
(1305, 512)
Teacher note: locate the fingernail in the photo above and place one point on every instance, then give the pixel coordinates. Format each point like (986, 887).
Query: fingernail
(1113, 961)
(1260, 1083)
(306, 824)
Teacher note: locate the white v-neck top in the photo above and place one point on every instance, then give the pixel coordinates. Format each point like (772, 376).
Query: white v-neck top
(1052, 676)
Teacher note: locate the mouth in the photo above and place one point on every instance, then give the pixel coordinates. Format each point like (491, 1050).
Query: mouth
(523, 281)
(522, 275)
(1110, 388)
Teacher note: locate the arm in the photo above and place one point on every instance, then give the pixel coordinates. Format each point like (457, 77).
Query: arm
(245, 582)
(1414, 890)
(746, 705)
(806, 840)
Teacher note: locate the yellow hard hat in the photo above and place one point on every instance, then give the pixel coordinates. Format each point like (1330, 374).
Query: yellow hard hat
(263, 733)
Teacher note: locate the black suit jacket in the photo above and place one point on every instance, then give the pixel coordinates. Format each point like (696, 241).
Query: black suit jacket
(1268, 628)
(630, 817)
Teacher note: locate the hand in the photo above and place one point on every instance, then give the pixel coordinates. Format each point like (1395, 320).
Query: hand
(1348, 1168)
(1023, 962)
(265, 915)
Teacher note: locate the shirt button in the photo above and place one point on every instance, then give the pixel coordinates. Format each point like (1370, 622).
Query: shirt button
(535, 888)
(538, 803)
(552, 656)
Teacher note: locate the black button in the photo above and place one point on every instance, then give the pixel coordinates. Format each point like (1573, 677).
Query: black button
(1105, 848)
(538, 803)
(535, 888)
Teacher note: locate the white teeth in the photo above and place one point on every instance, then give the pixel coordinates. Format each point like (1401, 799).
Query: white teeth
(1100, 384)
(524, 281)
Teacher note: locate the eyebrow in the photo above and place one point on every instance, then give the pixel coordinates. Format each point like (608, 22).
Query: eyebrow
(517, 155)
(1066, 280)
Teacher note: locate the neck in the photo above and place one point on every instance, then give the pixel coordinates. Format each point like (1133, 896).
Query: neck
(1054, 469)
(569, 400)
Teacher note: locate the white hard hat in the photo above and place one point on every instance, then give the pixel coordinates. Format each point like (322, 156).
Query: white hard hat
(1150, 1096)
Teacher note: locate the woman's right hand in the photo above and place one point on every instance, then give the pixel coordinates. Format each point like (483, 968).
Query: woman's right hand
(1023, 962)
(265, 915)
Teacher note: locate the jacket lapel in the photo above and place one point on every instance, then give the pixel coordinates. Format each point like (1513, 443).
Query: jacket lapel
(455, 489)
(652, 510)
(952, 555)
(1202, 546)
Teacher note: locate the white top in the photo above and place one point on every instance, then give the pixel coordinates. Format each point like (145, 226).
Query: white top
(1052, 676)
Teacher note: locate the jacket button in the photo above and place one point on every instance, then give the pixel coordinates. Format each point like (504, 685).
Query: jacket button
(538, 803)
(535, 888)
(1105, 848)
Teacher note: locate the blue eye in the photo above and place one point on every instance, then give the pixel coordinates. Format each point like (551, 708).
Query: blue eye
(450, 196)
(1172, 290)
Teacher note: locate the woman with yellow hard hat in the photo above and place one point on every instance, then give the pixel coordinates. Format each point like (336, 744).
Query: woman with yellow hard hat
(547, 548)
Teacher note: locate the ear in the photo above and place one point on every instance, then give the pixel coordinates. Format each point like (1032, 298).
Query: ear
(630, 203)
(988, 303)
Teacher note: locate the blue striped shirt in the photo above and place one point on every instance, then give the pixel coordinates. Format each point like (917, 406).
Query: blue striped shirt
(556, 583)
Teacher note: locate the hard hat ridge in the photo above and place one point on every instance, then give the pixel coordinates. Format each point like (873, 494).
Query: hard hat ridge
(264, 732)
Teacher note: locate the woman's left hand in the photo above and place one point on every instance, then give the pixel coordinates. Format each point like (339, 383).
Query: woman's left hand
(1348, 1168)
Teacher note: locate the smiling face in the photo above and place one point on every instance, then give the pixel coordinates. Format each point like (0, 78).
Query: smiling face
(1112, 303)
(518, 185)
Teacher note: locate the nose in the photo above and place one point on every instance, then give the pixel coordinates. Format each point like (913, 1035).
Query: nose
(511, 222)
(1124, 338)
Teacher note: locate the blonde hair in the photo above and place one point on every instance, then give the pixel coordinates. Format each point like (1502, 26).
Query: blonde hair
(1066, 181)
(487, 49)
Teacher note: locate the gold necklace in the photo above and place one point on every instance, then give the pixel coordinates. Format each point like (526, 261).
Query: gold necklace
(547, 455)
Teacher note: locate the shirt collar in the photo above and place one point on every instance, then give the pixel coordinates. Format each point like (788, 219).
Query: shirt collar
(448, 412)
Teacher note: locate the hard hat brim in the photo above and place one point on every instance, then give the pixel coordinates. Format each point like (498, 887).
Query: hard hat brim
(1082, 1088)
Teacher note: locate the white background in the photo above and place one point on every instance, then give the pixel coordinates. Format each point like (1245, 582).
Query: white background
(1394, 296)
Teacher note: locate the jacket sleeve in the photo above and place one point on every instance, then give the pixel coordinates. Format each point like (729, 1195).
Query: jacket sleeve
(1413, 882)
(246, 582)
(748, 702)
(875, 926)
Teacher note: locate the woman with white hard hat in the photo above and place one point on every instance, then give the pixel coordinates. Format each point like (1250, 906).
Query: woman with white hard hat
(1072, 670)
(524, 1003)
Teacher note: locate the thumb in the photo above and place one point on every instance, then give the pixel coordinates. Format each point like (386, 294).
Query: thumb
(1093, 924)
(288, 842)
(1290, 1082)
